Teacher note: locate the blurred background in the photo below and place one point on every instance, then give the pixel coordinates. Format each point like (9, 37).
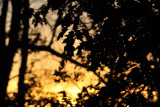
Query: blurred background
(41, 84)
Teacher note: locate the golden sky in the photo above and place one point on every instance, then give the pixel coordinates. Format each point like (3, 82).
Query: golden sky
(43, 65)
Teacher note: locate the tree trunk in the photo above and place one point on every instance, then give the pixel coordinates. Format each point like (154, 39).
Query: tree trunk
(6, 58)
(2, 50)
(24, 53)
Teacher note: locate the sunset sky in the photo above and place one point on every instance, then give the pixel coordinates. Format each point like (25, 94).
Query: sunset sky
(42, 65)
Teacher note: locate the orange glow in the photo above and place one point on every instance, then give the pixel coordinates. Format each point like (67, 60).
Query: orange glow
(43, 69)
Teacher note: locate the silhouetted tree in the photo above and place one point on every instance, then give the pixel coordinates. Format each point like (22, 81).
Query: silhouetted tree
(24, 53)
(126, 39)
(9, 51)
(2, 46)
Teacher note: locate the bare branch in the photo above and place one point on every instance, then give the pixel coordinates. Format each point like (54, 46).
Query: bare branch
(46, 48)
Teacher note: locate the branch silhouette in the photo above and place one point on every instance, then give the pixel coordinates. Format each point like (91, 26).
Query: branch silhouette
(52, 51)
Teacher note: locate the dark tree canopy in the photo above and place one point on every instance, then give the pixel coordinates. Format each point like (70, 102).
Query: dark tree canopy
(122, 35)
(126, 40)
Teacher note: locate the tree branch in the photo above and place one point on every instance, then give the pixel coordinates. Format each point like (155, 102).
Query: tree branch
(46, 48)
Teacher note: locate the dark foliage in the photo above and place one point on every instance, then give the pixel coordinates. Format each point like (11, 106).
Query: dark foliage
(127, 41)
